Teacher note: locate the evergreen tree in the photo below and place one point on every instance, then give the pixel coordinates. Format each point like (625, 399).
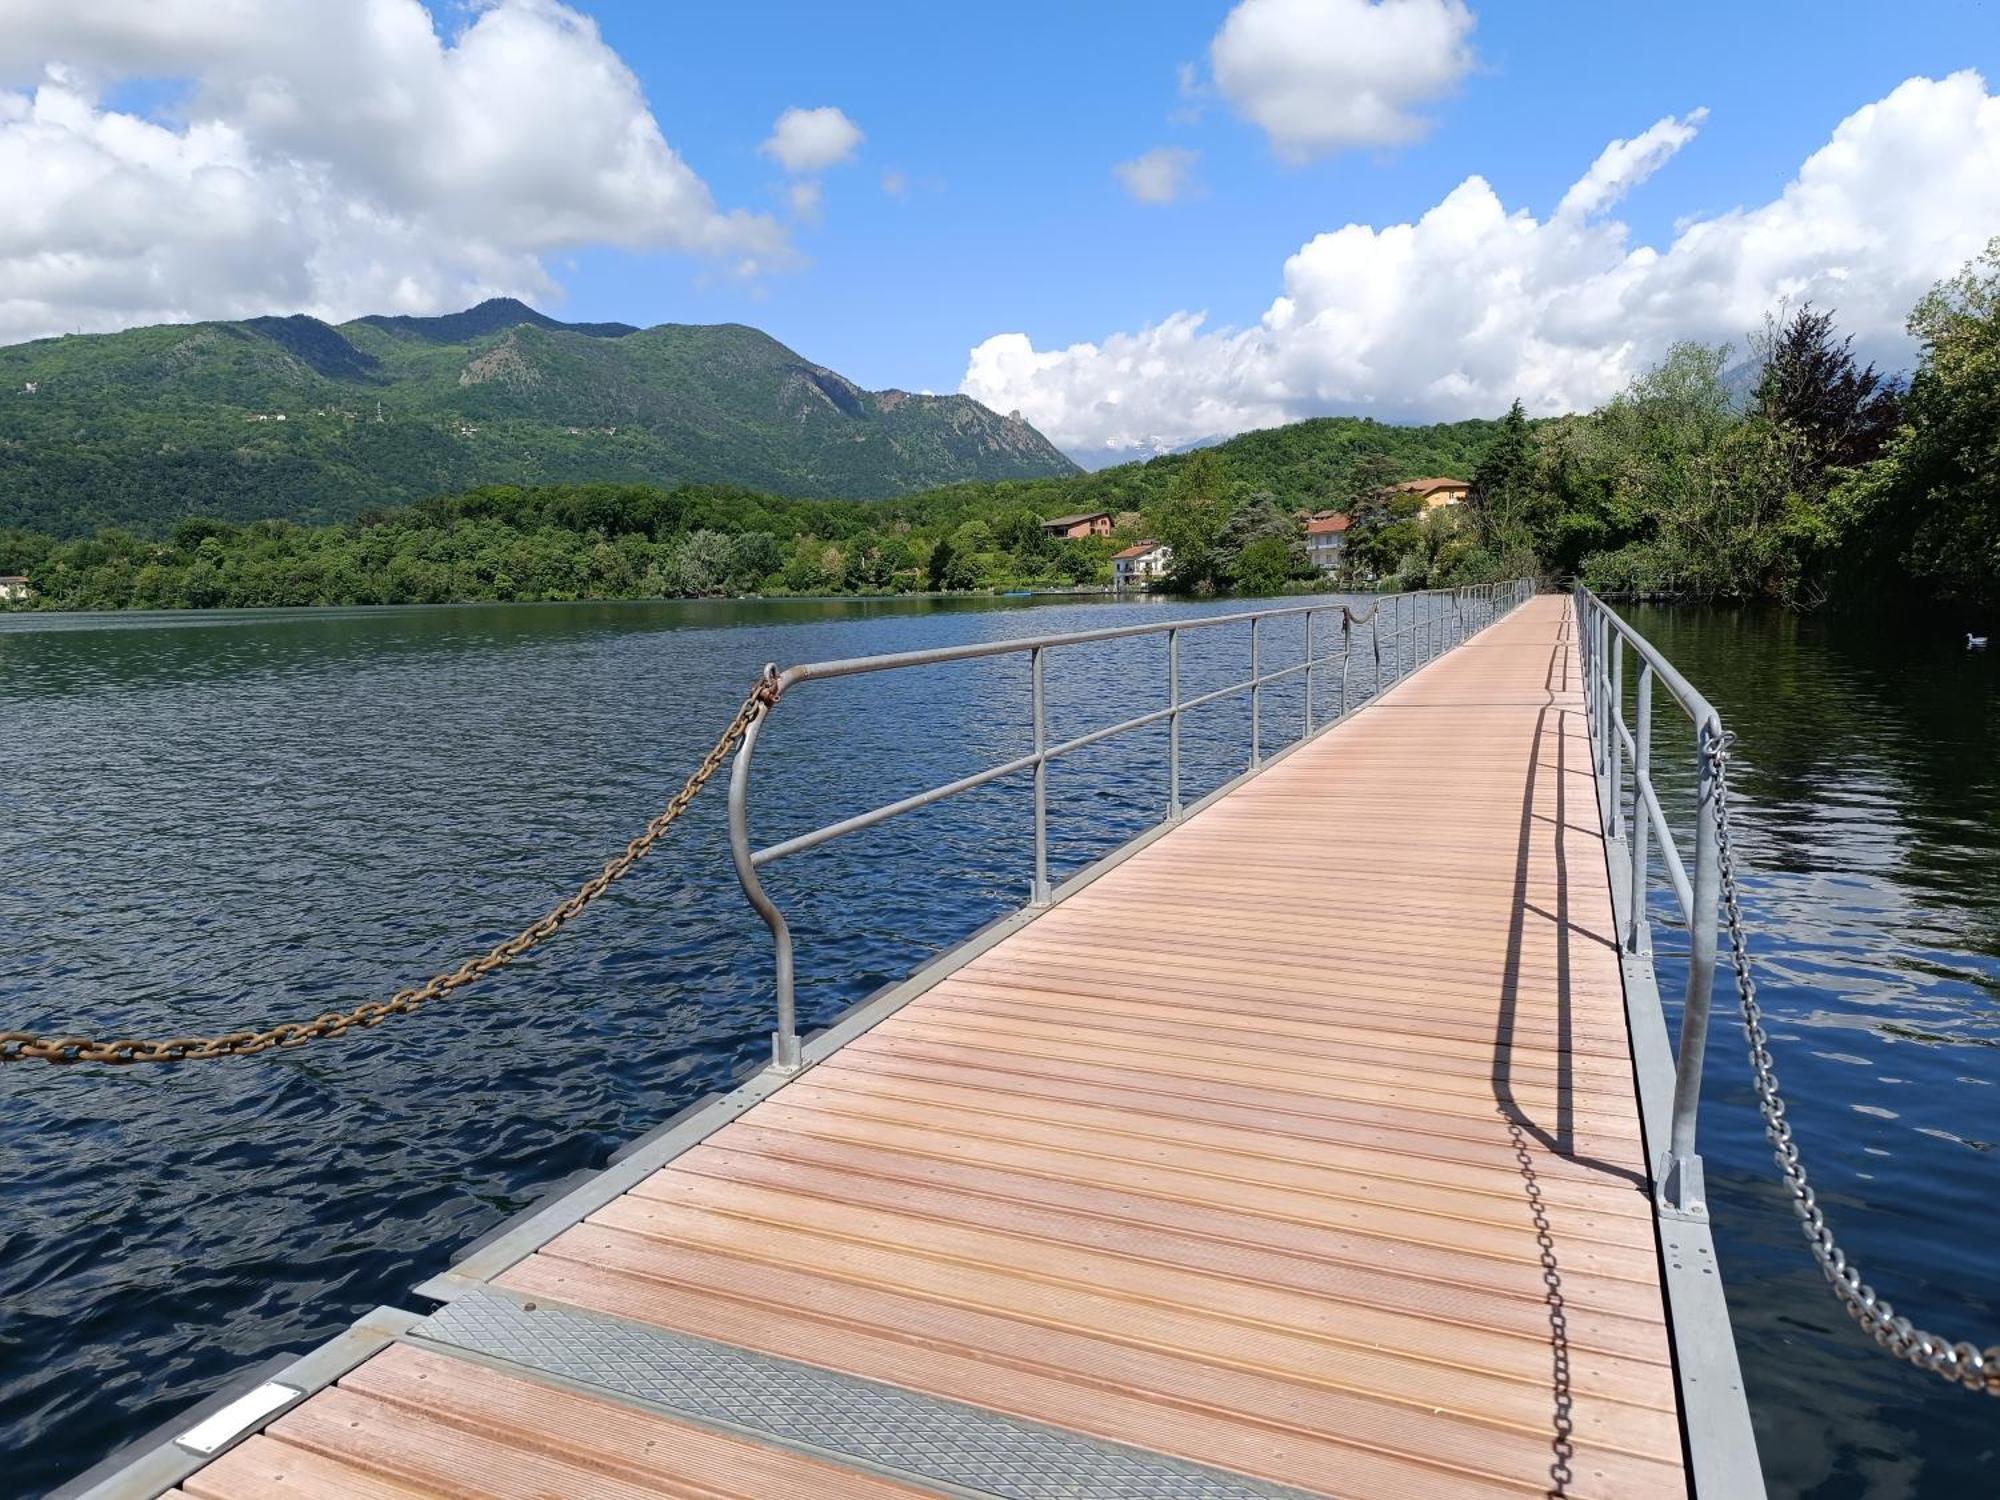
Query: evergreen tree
(1842, 414)
(1503, 486)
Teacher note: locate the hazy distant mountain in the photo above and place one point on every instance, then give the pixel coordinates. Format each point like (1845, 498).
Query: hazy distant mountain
(296, 418)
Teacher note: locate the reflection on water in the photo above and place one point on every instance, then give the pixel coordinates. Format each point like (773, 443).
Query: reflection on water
(1867, 796)
(212, 819)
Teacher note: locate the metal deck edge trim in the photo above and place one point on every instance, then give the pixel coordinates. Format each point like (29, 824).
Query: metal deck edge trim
(506, 1246)
(150, 1465)
(584, 1350)
(1721, 1443)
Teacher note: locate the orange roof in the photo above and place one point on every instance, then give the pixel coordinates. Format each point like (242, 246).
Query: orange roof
(1331, 525)
(1137, 549)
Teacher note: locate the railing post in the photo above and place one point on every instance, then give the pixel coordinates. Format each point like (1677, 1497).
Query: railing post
(1309, 674)
(1256, 699)
(1346, 656)
(1174, 726)
(1375, 640)
(1638, 933)
(1040, 896)
(785, 1038)
(1681, 1193)
(1615, 787)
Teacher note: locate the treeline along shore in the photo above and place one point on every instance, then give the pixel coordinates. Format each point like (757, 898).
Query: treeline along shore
(1796, 475)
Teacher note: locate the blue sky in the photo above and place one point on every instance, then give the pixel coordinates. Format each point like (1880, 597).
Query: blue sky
(1020, 113)
(1374, 211)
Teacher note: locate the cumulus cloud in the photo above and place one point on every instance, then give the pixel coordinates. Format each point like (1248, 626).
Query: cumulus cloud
(811, 140)
(1160, 175)
(1475, 303)
(328, 158)
(1323, 75)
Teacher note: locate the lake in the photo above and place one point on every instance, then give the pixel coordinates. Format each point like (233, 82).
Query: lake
(209, 820)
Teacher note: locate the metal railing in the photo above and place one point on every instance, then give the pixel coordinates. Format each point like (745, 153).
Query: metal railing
(1419, 626)
(1604, 642)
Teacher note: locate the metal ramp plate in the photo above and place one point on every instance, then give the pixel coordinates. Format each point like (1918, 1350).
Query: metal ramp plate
(961, 1448)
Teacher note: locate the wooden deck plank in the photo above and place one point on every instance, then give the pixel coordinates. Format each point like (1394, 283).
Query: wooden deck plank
(1302, 1144)
(417, 1422)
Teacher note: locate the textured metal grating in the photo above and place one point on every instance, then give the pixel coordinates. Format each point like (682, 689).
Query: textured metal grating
(883, 1425)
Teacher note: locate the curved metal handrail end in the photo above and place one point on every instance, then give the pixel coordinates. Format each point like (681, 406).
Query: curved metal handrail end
(785, 1038)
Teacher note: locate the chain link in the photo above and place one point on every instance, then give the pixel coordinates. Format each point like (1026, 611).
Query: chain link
(1962, 1362)
(27, 1046)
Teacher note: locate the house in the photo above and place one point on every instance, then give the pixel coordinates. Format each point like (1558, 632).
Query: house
(1141, 563)
(1435, 492)
(1088, 523)
(1326, 539)
(14, 587)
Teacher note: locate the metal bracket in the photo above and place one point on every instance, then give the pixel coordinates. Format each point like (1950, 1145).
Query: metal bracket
(1681, 1194)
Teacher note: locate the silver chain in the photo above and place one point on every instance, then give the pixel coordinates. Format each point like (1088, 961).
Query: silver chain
(1962, 1363)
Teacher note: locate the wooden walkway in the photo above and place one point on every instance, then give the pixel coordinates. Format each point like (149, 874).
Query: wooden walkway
(1301, 1147)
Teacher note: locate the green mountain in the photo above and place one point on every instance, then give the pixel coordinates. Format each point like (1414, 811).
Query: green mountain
(295, 418)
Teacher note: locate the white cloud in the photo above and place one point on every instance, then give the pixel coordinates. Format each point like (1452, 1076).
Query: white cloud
(808, 198)
(895, 183)
(335, 159)
(1322, 75)
(1473, 304)
(1160, 176)
(1623, 165)
(811, 140)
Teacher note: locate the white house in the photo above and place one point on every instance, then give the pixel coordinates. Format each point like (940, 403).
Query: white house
(1141, 563)
(1326, 540)
(12, 587)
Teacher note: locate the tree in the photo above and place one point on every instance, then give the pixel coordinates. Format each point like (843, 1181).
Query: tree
(1260, 519)
(753, 557)
(1265, 566)
(1384, 531)
(951, 569)
(1933, 500)
(1842, 415)
(1191, 521)
(806, 571)
(702, 564)
(1503, 486)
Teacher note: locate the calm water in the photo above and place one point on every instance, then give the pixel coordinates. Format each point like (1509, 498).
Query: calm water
(206, 820)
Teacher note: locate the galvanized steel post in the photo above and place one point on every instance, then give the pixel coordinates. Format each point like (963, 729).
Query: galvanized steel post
(1309, 672)
(1256, 699)
(785, 1038)
(1346, 656)
(1041, 886)
(1615, 786)
(1174, 726)
(1680, 1179)
(1638, 935)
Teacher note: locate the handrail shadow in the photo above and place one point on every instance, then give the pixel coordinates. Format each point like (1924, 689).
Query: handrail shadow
(1522, 1127)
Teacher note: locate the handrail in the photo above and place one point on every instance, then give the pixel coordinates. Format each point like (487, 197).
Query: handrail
(1416, 634)
(1603, 640)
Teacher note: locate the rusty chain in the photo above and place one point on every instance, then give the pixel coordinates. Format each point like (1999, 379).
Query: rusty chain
(28, 1046)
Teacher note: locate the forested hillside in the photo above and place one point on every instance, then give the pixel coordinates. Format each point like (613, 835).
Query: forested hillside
(292, 418)
(621, 541)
